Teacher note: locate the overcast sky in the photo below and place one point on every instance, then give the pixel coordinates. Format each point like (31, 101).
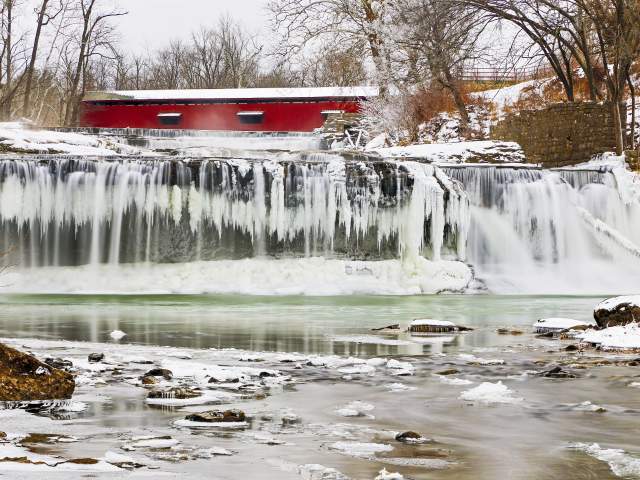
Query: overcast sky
(152, 23)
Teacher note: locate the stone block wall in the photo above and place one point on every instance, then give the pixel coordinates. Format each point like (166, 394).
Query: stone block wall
(561, 134)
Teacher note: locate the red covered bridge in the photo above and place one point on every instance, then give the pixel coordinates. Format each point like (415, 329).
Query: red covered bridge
(243, 109)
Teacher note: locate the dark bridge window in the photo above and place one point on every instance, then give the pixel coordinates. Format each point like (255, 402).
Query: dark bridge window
(251, 118)
(170, 119)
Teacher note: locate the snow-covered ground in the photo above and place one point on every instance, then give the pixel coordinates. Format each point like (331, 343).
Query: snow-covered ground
(20, 138)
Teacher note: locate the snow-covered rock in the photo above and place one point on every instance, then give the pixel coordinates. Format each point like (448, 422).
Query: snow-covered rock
(623, 337)
(556, 325)
(618, 311)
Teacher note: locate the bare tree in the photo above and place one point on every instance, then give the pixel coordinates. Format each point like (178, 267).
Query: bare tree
(440, 38)
(95, 35)
(332, 67)
(45, 15)
(355, 25)
(599, 36)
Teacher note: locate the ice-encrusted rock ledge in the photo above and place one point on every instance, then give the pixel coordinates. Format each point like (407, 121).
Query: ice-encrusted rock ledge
(618, 311)
(487, 151)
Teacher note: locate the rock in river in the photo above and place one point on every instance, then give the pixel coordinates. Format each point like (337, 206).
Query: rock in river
(160, 372)
(618, 311)
(96, 357)
(25, 378)
(217, 416)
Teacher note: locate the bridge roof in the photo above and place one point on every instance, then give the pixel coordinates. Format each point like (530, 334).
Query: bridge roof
(235, 94)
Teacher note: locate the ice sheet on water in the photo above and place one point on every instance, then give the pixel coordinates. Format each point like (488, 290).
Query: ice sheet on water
(491, 393)
(359, 449)
(621, 463)
(356, 409)
(301, 276)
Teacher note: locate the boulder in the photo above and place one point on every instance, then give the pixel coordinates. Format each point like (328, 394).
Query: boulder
(160, 372)
(218, 416)
(25, 378)
(618, 311)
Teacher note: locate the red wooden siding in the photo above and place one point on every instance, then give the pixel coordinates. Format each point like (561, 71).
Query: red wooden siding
(279, 115)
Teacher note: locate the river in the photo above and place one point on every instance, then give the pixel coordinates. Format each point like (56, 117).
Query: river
(527, 434)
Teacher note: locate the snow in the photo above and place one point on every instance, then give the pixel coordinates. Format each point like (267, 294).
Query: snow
(505, 96)
(624, 337)
(358, 449)
(117, 335)
(219, 425)
(235, 93)
(433, 323)
(490, 393)
(612, 303)
(256, 276)
(356, 409)
(559, 324)
(457, 382)
(384, 475)
(621, 463)
(461, 152)
(467, 357)
(19, 136)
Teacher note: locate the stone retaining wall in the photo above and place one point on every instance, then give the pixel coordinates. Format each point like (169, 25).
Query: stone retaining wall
(561, 134)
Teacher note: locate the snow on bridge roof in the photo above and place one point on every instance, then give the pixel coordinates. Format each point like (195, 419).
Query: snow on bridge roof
(235, 94)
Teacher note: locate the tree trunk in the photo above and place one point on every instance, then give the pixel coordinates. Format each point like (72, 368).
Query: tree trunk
(32, 63)
(632, 93)
(6, 101)
(617, 126)
(458, 99)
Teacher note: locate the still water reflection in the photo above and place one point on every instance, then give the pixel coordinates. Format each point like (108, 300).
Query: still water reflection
(301, 324)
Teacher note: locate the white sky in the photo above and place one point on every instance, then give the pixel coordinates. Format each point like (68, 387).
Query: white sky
(150, 24)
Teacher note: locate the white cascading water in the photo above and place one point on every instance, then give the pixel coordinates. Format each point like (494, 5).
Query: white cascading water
(78, 212)
(314, 223)
(539, 232)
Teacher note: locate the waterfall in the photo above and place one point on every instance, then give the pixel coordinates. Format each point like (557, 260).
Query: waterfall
(66, 212)
(544, 231)
(522, 229)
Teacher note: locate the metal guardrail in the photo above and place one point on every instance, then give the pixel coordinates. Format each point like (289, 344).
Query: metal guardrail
(488, 74)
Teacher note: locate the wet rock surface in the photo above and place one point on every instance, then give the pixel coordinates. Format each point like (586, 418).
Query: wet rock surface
(25, 378)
